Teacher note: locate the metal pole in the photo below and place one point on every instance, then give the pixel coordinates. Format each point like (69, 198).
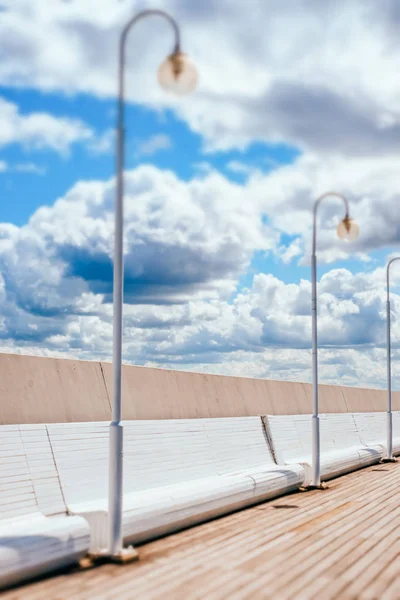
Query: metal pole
(389, 414)
(116, 429)
(115, 489)
(316, 470)
(389, 444)
(315, 430)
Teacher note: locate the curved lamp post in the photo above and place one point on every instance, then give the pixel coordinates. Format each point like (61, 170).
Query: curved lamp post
(348, 230)
(176, 74)
(389, 448)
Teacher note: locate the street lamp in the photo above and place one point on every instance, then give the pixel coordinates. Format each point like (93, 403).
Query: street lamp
(389, 448)
(347, 230)
(176, 74)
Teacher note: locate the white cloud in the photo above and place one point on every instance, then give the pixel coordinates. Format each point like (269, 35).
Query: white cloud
(153, 144)
(281, 74)
(103, 143)
(322, 76)
(288, 253)
(30, 167)
(288, 193)
(239, 167)
(187, 244)
(266, 332)
(203, 168)
(3, 166)
(182, 240)
(36, 131)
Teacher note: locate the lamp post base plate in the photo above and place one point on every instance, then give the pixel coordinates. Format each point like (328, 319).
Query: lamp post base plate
(388, 460)
(311, 487)
(125, 556)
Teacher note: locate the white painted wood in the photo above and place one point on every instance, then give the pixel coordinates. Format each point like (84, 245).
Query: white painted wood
(396, 432)
(17, 493)
(81, 455)
(43, 470)
(342, 446)
(372, 428)
(149, 514)
(176, 472)
(32, 543)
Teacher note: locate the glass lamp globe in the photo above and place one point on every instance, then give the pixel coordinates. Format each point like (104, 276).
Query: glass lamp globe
(348, 230)
(178, 74)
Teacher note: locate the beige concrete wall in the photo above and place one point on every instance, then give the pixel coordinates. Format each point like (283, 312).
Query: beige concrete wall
(160, 394)
(48, 390)
(37, 390)
(365, 400)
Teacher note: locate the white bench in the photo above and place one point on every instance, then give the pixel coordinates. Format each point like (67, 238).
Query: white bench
(32, 543)
(176, 472)
(342, 447)
(372, 429)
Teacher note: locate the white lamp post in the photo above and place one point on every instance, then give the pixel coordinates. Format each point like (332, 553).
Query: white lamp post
(176, 74)
(389, 448)
(347, 229)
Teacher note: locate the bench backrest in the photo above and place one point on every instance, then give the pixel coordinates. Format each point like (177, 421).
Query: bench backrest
(81, 454)
(17, 496)
(238, 444)
(156, 453)
(372, 427)
(28, 477)
(290, 435)
(43, 471)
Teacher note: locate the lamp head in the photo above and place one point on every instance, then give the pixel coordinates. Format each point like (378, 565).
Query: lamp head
(348, 229)
(178, 74)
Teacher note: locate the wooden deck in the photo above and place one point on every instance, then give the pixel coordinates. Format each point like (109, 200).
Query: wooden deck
(343, 543)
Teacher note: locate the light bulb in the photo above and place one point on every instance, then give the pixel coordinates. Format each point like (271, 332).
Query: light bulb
(348, 230)
(178, 74)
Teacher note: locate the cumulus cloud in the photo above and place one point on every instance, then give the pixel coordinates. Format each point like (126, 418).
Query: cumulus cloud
(371, 186)
(186, 246)
(40, 130)
(37, 131)
(182, 241)
(320, 76)
(264, 332)
(286, 75)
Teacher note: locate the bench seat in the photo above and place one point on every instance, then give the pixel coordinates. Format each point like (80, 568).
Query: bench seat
(176, 472)
(34, 545)
(156, 512)
(31, 543)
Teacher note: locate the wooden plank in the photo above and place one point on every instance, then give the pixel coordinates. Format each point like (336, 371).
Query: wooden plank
(342, 543)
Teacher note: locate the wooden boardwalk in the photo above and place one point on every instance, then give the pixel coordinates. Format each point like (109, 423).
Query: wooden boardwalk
(343, 543)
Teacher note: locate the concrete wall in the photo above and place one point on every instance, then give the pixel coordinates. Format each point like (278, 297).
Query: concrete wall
(38, 390)
(48, 390)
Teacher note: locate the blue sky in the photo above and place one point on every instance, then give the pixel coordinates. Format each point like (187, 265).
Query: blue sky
(183, 157)
(219, 187)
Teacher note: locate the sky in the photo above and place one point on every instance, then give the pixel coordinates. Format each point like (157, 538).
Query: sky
(294, 99)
